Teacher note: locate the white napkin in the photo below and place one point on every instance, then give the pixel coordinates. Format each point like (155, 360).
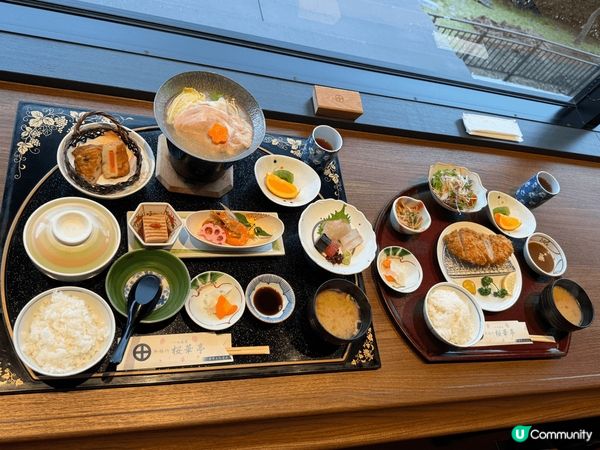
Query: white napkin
(492, 127)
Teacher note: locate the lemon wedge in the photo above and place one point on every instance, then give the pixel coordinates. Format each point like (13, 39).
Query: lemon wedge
(509, 281)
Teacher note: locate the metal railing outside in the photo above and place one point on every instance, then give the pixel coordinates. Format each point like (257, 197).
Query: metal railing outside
(520, 58)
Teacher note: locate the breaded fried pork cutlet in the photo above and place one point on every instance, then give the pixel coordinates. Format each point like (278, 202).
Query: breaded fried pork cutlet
(478, 248)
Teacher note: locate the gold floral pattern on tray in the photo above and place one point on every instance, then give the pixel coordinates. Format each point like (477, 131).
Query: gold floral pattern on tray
(367, 353)
(40, 123)
(8, 378)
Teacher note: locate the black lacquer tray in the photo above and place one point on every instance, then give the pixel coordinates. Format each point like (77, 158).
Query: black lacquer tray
(33, 179)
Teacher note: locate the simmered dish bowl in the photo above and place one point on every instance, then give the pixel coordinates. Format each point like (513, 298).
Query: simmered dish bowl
(64, 331)
(209, 120)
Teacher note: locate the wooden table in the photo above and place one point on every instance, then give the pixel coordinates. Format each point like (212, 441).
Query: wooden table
(406, 398)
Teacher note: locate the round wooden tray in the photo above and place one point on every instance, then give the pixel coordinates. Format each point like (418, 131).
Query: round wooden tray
(406, 310)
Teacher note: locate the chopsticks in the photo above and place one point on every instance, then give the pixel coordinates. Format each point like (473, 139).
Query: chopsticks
(255, 350)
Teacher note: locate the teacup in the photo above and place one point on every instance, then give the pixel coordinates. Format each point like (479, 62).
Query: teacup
(322, 145)
(540, 188)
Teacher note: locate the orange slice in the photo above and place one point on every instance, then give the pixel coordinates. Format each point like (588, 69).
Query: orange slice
(507, 223)
(280, 187)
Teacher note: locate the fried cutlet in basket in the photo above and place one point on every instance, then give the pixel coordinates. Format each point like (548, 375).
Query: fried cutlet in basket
(478, 248)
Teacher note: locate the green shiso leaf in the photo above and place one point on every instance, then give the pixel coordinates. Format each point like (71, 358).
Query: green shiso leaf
(258, 231)
(242, 219)
(336, 215)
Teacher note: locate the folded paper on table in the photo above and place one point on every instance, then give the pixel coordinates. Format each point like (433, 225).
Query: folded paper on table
(492, 127)
(504, 332)
(174, 350)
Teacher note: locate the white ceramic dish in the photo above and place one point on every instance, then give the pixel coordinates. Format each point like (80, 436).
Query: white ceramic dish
(146, 171)
(412, 202)
(477, 186)
(174, 223)
(58, 240)
(474, 308)
(517, 209)
(305, 178)
(457, 272)
(403, 262)
(289, 299)
(92, 300)
(205, 288)
(269, 223)
(308, 225)
(556, 251)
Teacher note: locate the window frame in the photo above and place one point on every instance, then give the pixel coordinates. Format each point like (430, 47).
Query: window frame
(395, 103)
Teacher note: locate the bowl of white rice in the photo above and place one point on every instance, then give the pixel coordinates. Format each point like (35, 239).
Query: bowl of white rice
(64, 331)
(453, 315)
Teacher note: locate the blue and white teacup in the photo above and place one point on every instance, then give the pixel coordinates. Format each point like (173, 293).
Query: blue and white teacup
(322, 145)
(540, 188)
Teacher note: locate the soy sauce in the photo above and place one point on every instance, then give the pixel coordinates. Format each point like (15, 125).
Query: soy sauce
(267, 301)
(323, 143)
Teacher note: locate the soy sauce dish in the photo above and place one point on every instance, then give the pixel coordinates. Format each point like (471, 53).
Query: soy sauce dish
(270, 298)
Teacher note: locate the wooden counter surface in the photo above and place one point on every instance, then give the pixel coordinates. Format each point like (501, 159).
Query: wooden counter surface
(406, 398)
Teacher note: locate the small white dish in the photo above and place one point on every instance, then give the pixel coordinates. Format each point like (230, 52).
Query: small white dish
(474, 309)
(174, 223)
(205, 290)
(282, 287)
(308, 226)
(498, 199)
(58, 239)
(402, 264)
(96, 304)
(555, 250)
(146, 169)
(305, 178)
(271, 224)
(477, 187)
(411, 202)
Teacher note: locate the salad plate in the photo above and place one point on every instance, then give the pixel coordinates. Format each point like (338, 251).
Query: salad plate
(503, 276)
(216, 300)
(298, 178)
(456, 188)
(346, 219)
(234, 230)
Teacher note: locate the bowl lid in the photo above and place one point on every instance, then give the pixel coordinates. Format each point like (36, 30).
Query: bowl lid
(71, 236)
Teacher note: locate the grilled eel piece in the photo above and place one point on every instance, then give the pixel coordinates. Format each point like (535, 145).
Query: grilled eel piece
(478, 248)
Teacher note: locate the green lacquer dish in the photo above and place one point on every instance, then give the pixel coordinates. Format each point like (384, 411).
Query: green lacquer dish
(173, 273)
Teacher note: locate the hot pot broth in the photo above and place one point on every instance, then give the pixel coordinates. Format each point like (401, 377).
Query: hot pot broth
(208, 125)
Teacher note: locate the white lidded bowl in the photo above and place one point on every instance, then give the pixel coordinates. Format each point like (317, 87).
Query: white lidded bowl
(399, 226)
(71, 238)
(517, 209)
(558, 254)
(174, 223)
(477, 187)
(474, 308)
(305, 178)
(93, 301)
(308, 224)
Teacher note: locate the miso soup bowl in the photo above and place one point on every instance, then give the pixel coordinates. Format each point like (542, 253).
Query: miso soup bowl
(554, 317)
(363, 306)
(187, 164)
